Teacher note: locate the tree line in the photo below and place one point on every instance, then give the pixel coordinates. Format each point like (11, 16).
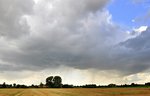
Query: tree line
(56, 82)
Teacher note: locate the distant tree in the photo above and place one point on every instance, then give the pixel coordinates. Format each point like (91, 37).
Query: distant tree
(112, 85)
(41, 85)
(125, 85)
(147, 84)
(4, 85)
(14, 85)
(54, 82)
(32, 86)
(133, 84)
(9, 86)
(67, 86)
(49, 81)
(18, 86)
(21, 86)
(90, 86)
(57, 82)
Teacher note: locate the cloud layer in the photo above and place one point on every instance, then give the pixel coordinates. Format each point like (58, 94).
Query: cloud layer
(47, 34)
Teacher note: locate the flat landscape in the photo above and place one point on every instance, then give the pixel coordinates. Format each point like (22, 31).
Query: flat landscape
(77, 92)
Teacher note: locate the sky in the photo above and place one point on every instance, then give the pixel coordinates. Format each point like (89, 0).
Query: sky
(85, 42)
(129, 13)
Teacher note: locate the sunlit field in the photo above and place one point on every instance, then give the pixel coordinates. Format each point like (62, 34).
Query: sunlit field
(77, 92)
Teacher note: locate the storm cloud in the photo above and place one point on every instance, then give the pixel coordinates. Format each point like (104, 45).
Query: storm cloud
(12, 21)
(47, 34)
(137, 54)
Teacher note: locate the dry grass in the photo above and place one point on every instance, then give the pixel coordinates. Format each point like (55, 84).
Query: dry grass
(77, 92)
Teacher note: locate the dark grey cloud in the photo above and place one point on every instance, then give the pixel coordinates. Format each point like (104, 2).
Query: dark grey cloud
(141, 42)
(68, 33)
(12, 17)
(137, 52)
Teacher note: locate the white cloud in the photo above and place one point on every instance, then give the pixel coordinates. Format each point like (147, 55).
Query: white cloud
(141, 29)
(136, 31)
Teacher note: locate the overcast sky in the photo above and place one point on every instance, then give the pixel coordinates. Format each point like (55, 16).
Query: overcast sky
(84, 41)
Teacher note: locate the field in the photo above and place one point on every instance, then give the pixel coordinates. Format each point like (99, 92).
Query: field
(77, 92)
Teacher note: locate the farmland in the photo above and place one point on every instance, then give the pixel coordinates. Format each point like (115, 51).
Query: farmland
(77, 92)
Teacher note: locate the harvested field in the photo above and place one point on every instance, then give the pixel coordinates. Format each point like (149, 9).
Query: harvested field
(77, 92)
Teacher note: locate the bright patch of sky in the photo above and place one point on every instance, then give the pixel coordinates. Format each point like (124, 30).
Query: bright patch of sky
(129, 13)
